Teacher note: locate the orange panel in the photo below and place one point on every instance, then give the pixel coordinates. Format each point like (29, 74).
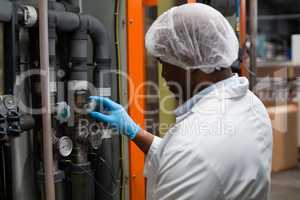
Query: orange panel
(136, 72)
(243, 31)
(150, 2)
(192, 1)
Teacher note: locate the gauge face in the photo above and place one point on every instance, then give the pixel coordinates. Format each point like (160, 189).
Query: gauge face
(9, 102)
(65, 146)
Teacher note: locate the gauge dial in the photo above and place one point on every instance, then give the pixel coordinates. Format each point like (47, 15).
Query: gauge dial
(9, 102)
(65, 146)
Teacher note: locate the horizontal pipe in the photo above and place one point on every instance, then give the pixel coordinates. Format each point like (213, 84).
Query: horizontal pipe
(279, 17)
(6, 10)
(64, 21)
(68, 22)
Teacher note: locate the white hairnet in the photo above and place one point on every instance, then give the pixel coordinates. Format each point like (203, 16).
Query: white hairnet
(193, 36)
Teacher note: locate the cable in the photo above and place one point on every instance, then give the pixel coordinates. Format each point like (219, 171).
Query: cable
(118, 62)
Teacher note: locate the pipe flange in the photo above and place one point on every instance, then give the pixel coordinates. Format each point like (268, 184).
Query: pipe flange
(30, 16)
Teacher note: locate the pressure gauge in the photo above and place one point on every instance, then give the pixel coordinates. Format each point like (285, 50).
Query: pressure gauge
(65, 146)
(9, 102)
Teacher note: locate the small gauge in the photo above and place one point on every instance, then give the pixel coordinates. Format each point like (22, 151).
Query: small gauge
(9, 102)
(65, 146)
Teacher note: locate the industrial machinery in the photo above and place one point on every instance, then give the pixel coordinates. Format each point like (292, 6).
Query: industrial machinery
(85, 166)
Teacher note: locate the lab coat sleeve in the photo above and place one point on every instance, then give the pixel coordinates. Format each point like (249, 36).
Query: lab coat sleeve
(151, 161)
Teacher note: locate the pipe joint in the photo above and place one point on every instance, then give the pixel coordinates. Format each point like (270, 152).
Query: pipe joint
(64, 21)
(100, 38)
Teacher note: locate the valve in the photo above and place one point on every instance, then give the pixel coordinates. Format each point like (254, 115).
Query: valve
(63, 112)
(30, 16)
(12, 121)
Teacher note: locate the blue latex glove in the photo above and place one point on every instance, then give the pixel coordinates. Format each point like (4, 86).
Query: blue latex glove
(117, 116)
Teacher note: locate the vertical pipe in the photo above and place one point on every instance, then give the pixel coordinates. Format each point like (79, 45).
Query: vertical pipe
(10, 59)
(47, 130)
(253, 33)
(77, 3)
(243, 32)
(22, 157)
(2, 173)
(8, 170)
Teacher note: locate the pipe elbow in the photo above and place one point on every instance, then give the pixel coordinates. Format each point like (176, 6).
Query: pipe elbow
(64, 21)
(101, 40)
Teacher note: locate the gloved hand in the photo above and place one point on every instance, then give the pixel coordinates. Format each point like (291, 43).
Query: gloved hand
(117, 116)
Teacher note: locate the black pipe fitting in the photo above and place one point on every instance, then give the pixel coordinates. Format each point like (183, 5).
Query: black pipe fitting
(64, 21)
(100, 38)
(78, 55)
(83, 25)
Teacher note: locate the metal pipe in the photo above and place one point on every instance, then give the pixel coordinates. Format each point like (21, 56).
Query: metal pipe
(101, 41)
(83, 182)
(10, 59)
(64, 21)
(2, 173)
(279, 17)
(93, 27)
(77, 3)
(22, 153)
(23, 186)
(8, 170)
(67, 22)
(6, 9)
(253, 34)
(47, 129)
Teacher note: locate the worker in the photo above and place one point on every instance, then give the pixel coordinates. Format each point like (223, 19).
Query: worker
(220, 147)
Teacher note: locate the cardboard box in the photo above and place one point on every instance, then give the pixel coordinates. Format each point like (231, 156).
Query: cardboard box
(285, 136)
(296, 48)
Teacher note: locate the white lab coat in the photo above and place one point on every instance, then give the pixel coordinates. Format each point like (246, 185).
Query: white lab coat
(219, 149)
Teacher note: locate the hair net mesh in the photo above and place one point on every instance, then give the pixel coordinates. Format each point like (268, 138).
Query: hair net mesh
(193, 36)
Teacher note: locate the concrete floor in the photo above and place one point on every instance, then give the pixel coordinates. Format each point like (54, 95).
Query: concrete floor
(286, 185)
